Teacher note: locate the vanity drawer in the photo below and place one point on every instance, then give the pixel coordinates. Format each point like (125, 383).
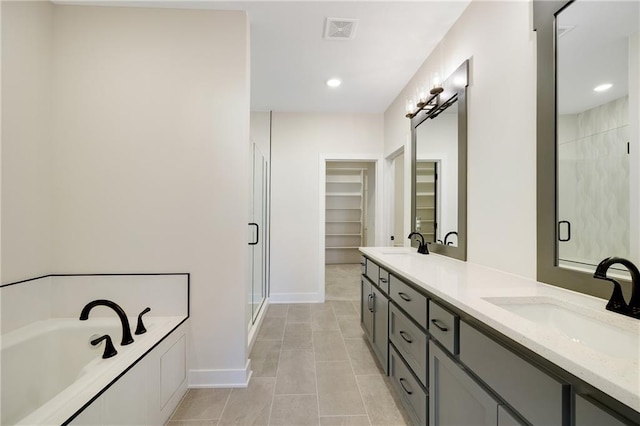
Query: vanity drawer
(444, 326)
(538, 397)
(410, 341)
(412, 302)
(413, 397)
(373, 271)
(383, 280)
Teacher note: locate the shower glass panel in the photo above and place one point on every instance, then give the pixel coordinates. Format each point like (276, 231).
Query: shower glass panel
(258, 234)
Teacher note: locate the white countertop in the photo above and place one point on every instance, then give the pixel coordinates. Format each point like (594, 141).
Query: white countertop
(465, 285)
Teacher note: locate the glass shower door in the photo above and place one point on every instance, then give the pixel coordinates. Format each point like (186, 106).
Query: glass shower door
(257, 240)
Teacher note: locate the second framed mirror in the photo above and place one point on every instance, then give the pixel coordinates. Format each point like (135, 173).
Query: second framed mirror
(439, 166)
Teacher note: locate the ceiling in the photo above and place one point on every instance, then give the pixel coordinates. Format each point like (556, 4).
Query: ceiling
(595, 50)
(291, 60)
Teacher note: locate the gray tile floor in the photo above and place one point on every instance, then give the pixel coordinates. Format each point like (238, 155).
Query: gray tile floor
(311, 366)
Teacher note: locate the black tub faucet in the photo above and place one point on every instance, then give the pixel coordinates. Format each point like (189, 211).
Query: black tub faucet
(126, 330)
(422, 246)
(109, 349)
(616, 302)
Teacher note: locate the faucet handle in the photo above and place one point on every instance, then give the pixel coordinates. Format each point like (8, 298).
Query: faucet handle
(140, 329)
(109, 349)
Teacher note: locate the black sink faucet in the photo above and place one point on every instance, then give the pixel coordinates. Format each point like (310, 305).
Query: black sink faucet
(126, 330)
(422, 246)
(617, 302)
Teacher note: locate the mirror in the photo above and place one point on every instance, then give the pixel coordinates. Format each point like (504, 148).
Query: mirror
(588, 135)
(439, 172)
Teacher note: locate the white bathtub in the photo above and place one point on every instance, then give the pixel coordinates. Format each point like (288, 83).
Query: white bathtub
(50, 371)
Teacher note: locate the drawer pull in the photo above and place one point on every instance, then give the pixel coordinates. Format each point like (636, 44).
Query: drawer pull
(442, 326)
(384, 280)
(402, 380)
(404, 296)
(404, 335)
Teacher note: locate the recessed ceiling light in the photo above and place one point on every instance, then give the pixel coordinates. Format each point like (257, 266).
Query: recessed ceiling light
(603, 87)
(334, 82)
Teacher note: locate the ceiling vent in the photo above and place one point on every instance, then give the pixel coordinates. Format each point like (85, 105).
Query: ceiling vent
(340, 29)
(563, 30)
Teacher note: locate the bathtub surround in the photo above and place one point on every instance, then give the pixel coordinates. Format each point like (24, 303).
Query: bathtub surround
(64, 296)
(124, 148)
(41, 326)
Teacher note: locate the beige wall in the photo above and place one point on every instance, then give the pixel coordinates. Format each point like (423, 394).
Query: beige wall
(149, 154)
(27, 29)
(498, 38)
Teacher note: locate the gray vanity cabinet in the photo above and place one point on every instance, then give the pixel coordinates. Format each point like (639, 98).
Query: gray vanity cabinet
(366, 309)
(539, 398)
(380, 327)
(588, 414)
(374, 317)
(455, 398)
(506, 419)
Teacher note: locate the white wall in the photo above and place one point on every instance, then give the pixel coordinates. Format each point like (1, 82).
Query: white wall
(437, 139)
(148, 157)
(299, 140)
(27, 29)
(498, 38)
(634, 141)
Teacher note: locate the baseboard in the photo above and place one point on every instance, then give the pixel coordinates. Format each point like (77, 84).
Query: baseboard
(296, 298)
(220, 378)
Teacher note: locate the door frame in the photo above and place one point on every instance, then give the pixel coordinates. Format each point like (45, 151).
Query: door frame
(389, 193)
(378, 222)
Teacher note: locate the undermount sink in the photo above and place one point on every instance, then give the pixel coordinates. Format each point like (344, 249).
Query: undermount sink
(588, 327)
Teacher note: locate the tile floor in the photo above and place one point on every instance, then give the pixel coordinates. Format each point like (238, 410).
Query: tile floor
(311, 366)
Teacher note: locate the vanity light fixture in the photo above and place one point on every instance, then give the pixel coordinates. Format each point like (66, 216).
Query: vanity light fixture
(437, 84)
(333, 82)
(425, 99)
(603, 87)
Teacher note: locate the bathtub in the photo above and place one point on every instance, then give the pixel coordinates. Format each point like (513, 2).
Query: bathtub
(50, 371)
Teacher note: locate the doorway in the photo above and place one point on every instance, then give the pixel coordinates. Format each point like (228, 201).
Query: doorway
(349, 223)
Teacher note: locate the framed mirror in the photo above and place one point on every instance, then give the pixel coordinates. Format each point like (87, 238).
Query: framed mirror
(587, 130)
(439, 168)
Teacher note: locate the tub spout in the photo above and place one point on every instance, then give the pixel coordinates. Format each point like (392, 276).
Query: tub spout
(126, 330)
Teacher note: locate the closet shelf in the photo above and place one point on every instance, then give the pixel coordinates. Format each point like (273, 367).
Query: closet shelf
(343, 194)
(343, 235)
(341, 248)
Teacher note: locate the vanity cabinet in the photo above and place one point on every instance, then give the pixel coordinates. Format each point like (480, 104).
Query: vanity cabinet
(538, 397)
(374, 319)
(412, 395)
(588, 414)
(456, 399)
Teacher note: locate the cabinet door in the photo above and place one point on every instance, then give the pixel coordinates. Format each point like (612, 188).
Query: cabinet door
(366, 309)
(588, 414)
(454, 398)
(506, 419)
(381, 327)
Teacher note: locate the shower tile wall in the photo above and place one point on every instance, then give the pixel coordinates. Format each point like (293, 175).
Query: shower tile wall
(593, 173)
